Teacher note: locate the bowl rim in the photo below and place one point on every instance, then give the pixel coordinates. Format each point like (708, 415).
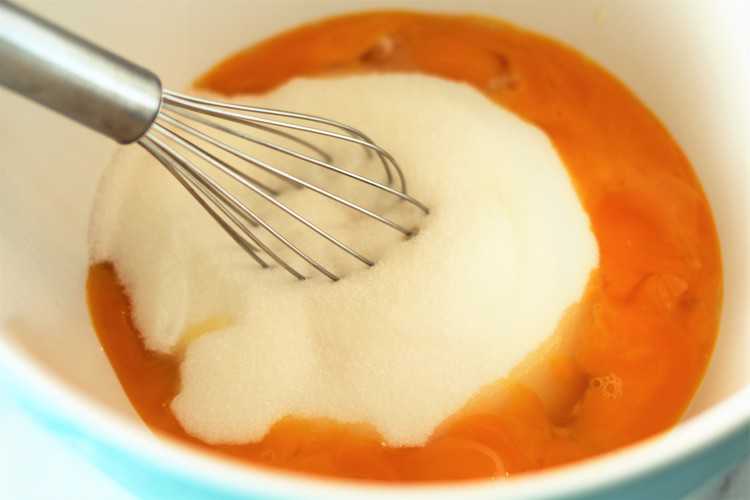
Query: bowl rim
(107, 426)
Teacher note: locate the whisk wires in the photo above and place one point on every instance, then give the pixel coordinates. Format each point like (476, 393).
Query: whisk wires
(183, 150)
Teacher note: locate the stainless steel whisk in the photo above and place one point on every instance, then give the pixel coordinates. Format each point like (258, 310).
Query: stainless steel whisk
(126, 102)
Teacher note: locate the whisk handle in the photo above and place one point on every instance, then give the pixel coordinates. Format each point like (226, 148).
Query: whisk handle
(69, 75)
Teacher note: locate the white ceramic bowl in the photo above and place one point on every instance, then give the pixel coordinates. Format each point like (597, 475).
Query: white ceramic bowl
(688, 60)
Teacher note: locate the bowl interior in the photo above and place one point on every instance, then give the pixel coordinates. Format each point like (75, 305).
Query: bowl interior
(681, 58)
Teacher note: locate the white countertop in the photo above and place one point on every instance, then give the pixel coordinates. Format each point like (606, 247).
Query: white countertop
(61, 474)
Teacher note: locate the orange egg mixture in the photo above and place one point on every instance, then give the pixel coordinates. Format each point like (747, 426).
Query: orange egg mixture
(624, 363)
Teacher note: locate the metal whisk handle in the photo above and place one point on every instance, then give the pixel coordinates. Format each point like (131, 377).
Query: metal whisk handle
(70, 75)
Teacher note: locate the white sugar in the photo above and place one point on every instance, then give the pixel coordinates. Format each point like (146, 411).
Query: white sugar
(506, 249)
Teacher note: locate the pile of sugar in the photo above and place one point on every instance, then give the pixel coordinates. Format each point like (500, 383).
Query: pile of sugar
(506, 249)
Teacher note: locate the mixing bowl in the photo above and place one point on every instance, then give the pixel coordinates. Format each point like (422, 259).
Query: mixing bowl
(688, 60)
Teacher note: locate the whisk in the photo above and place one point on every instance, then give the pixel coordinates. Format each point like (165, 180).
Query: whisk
(126, 102)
